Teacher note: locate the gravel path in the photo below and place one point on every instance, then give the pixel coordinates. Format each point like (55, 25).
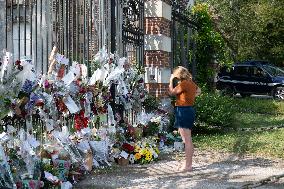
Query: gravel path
(212, 170)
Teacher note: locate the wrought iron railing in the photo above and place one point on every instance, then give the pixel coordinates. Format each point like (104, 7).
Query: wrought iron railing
(78, 28)
(182, 30)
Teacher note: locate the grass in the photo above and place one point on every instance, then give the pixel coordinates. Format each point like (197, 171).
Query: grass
(249, 113)
(259, 105)
(254, 112)
(266, 144)
(254, 120)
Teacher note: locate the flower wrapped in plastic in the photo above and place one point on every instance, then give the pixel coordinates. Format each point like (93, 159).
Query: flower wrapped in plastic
(146, 151)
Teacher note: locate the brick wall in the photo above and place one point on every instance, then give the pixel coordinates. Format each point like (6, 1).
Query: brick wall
(158, 89)
(157, 58)
(157, 25)
(160, 57)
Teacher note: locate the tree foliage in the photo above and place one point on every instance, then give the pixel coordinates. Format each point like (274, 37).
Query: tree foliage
(211, 47)
(253, 29)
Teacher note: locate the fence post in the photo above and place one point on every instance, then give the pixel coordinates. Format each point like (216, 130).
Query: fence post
(113, 32)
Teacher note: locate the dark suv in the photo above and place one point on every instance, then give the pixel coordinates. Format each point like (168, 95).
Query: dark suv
(252, 77)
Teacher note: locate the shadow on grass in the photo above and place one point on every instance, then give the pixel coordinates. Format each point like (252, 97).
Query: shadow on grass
(242, 144)
(201, 129)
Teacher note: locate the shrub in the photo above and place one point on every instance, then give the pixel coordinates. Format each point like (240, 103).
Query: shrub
(151, 103)
(214, 109)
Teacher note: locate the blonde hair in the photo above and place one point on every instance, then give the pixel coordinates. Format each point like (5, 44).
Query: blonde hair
(182, 73)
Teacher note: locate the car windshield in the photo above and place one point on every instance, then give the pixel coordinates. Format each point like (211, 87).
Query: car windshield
(274, 71)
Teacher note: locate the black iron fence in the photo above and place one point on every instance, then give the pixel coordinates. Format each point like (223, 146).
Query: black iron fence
(182, 31)
(78, 28)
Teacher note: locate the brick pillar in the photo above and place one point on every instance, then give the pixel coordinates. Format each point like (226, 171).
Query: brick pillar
(157, 46)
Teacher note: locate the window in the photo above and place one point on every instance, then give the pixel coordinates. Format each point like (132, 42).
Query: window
(257, 72)
(274, 71)
(241, 71)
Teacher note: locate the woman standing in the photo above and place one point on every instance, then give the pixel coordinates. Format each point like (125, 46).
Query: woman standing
(185, 92)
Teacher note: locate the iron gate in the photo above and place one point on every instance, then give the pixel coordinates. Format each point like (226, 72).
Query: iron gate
(78, 28)
(182, 43)
(133, 29)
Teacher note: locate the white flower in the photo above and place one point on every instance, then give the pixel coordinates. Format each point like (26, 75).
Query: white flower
(154, 153)
(131, 158)
(156, 119)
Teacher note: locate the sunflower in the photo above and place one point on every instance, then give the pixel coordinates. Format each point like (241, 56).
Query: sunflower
(148, 156)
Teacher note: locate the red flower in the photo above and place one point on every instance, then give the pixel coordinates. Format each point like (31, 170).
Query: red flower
(81, 121)
(39, 102)
(82, 90)
(18, 62)
(19, 184)
(127, 147)
(61, 105)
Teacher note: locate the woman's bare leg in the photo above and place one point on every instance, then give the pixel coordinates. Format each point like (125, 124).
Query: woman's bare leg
(182, 136)
(186, 136)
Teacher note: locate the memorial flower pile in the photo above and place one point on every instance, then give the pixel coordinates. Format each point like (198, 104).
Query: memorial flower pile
(55, 127)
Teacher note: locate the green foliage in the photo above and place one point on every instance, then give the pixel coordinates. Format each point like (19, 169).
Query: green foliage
(217, 110)
(253, 29)
(258, 105)
(151, 129)
(211, 47)
(214, 109)
(173, 137)
(255, 112)
(247, 113)
(267, 143)
(151, 103)
(256, 120)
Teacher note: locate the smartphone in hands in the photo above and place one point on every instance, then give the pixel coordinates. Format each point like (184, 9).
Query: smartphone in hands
(175, 82)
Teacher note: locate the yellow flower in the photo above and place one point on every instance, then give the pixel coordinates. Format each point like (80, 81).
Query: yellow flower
(137, 148)
(148, 156)
(137, 156)
(143, 151)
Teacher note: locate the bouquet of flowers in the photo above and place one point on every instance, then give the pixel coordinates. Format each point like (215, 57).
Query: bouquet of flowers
(10, 84)
(146, 151)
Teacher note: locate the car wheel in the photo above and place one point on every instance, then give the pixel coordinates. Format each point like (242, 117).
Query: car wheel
(278, 93)
(228, 91)
(244, 95)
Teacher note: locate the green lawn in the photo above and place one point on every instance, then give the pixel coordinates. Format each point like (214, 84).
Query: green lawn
(253, 112)
(266, 143)
(249, 113)
(253, 120)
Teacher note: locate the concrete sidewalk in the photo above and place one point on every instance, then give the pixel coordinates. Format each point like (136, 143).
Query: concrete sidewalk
(211, 170)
